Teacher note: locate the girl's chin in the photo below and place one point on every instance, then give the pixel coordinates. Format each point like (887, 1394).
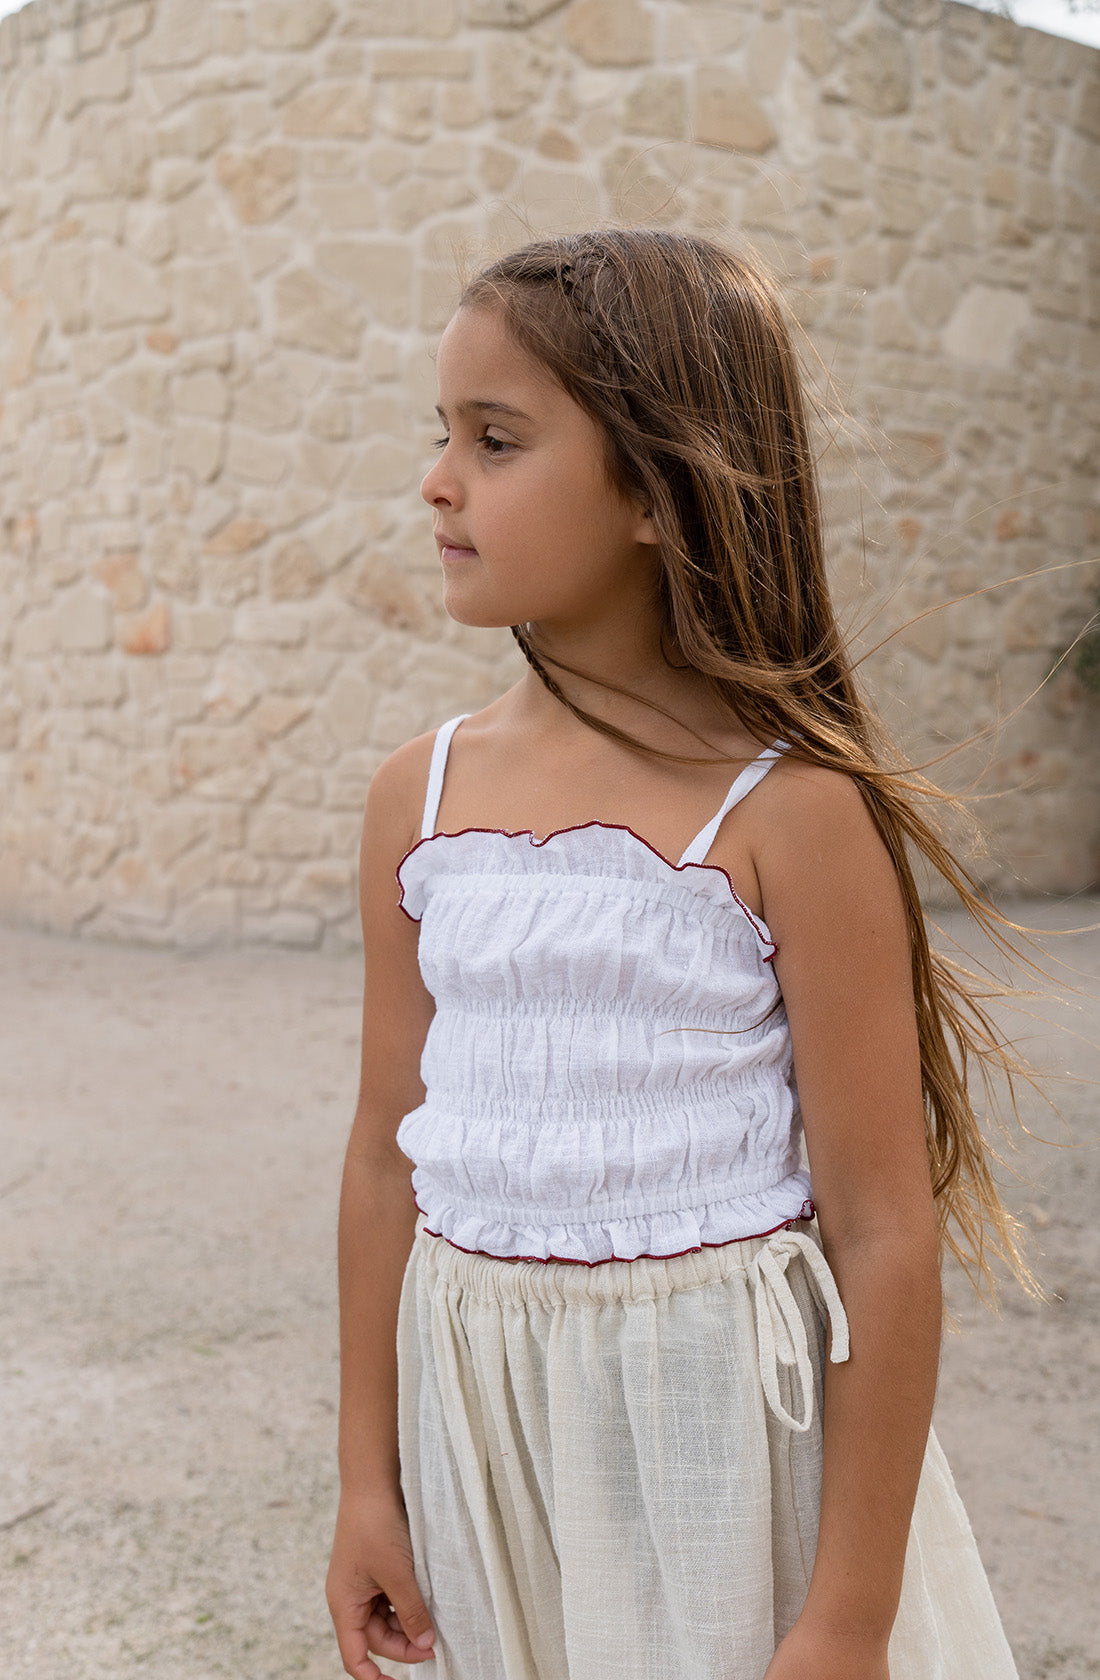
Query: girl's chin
(479, 615)
(475, 618)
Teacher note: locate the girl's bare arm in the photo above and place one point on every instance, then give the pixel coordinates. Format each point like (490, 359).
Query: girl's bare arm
(833, 904)
(371, 1564)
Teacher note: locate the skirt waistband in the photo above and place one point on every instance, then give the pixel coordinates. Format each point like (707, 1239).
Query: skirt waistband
(552, 1283)
(762, 1262)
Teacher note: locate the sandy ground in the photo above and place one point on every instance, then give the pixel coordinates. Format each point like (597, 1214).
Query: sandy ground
(171, 1129)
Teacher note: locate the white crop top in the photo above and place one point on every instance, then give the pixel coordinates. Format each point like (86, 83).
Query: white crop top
(608, 1071)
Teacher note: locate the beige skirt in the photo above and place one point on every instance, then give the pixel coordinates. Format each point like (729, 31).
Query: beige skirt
(613, 1473)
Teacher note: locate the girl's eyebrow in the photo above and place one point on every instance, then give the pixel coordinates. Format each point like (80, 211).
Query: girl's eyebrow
(485, 405)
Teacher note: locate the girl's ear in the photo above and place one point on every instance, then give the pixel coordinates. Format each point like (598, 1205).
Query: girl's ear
(644, 531)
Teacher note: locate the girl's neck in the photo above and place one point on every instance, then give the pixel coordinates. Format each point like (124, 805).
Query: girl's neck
(631, 659)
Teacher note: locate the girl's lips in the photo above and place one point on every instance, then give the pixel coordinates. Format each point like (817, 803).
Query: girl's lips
(449, 554)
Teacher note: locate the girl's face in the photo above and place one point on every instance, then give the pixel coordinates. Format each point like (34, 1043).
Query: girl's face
(528, 525)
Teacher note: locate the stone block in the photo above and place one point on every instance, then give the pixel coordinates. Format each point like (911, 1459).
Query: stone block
(436, 19)
(657, 105)
(509, 14)
(262, 184)
(932, 290)
(237, 537)
(226, 762)
(148, 633)
(891, 327)
(915, 14)
(901, 205)
(170, 833)
(170, 557)
(181, 35)
(278, 714)
(842, 173)
(65, 286)
(124, 580)
(414, 200)
(124, 292)
(257, 460)
(515, 72)
(202, 629)
(83, 621)
(298, 787)
(406, 109)
(1086, 107)
(984, 325)
(1002, 185)
(878, 71)
(107, 76)
(204, 392)
(556, 145)
(231, 691)
(817, 44)
(327, 886)
(26, 328)
(136, 894)
(767, 55)
(313, 315)
(347, 709)
(287, 832)
(963, 125)
(427, 63)
(385, 467)
(209, 918)
(460, 105)
(295, 571)
(332, 110)
(290, 25)
(296, 929)
(619, 32)
(381, 272)
(275, 626)
(379, 588)
(916, 454)
(214, 297)
(963, 58)
(727, 114)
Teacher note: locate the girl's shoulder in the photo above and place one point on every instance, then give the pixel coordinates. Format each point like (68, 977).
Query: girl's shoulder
(395, 797)
(818, 852)
(812, 793)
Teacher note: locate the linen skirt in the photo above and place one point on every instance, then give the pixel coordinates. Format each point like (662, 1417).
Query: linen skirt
(614, 1472)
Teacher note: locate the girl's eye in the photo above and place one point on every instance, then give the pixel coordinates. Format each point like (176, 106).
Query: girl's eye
(499, 446)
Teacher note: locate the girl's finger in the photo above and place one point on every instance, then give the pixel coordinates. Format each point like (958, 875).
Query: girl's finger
(355, 1652)
(412, 1615)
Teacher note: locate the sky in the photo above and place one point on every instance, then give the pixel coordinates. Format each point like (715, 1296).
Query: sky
(1054, 16)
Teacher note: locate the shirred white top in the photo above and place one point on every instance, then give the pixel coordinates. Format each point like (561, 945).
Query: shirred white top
(608, 1071)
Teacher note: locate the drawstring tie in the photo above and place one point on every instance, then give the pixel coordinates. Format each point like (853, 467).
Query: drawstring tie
(780, 1329)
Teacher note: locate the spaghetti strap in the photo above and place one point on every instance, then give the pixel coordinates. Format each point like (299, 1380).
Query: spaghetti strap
(436, 771)
(745, 782)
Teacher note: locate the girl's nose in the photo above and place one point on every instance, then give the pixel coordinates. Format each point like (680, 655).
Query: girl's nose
(438, 486)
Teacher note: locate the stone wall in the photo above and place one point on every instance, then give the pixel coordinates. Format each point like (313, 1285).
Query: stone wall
(229, 236)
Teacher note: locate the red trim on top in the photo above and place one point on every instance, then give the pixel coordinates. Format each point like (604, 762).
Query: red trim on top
(807, 1213)
(576, 828)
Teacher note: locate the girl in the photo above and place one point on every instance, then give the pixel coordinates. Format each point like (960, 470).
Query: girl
(627, 1399)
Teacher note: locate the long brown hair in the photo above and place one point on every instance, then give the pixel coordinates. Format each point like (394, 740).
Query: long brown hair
(680, 351)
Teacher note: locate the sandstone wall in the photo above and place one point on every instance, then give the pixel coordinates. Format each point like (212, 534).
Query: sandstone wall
(228, 239)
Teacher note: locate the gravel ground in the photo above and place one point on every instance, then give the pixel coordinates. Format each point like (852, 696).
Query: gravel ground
(171, 1128)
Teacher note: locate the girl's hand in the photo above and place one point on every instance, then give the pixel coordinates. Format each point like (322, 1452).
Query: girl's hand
(824, 1654)
(371, 1570)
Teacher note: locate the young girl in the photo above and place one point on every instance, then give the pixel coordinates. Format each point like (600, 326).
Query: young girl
(634, 1395)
